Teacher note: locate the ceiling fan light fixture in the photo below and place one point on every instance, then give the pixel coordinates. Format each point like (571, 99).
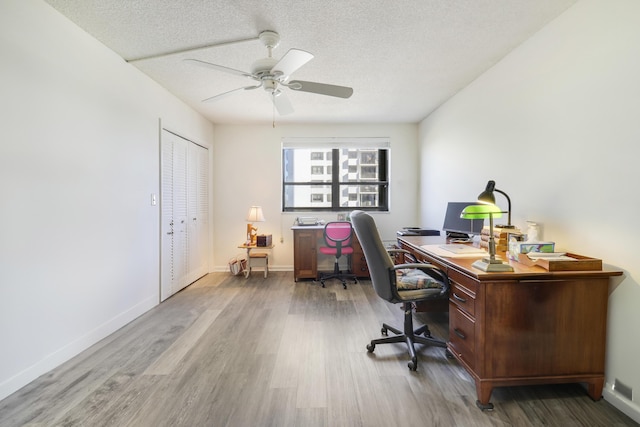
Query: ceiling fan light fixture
(270, 85)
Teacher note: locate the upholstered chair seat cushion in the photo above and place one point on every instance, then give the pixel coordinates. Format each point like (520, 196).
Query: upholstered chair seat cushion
(409, 279)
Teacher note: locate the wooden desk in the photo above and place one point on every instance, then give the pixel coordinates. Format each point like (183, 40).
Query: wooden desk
(305, 253)
(529, 326)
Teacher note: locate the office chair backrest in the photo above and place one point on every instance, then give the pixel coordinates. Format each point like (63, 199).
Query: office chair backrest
(337, 234)
(379, 262)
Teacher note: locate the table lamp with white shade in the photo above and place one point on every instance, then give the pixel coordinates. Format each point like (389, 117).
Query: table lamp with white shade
(255, 215)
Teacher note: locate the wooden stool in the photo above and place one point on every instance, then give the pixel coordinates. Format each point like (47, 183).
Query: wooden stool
(259, 255)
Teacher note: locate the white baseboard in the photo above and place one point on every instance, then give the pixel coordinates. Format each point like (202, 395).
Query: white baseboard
(629, 408)
(75, 347)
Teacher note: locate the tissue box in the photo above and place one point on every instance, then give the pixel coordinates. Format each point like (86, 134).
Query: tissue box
(516, 248)
(526, 247)
(263, 240)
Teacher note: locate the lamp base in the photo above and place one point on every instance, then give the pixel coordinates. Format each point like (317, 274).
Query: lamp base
(491, 265)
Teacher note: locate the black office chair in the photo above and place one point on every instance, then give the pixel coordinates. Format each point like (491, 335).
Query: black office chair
(337, 237)
(402, 283)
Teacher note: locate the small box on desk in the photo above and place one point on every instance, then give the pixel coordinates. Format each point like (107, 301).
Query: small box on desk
(263, 240)
(516, 248)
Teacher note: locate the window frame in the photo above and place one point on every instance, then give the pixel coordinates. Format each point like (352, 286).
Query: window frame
(334, 146)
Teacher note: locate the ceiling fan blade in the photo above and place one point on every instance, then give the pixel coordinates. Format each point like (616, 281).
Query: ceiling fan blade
(321, 88)
(222, 68)
(225, 94)
(291, 61)
(282, 103)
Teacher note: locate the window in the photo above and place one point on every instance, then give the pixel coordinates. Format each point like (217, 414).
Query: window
(332, 174)
(368, 172)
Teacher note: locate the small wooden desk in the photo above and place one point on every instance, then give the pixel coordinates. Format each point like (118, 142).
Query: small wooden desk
(529, 326)
(247, 271)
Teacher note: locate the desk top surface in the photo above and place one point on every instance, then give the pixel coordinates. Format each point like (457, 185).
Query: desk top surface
(245, 246)
(308, 227)
(521, 271)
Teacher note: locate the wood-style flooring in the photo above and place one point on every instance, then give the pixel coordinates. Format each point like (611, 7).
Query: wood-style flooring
(230, 351)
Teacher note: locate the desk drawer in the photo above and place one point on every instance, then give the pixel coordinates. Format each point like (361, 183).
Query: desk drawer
(462, 335)
(359, 265)
(462, 280)
(462, 298)
(358, 261)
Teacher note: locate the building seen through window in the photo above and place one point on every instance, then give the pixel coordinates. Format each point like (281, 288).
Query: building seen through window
(336, 179)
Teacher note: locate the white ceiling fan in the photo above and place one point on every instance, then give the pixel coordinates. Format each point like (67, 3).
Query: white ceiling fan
(273, 74)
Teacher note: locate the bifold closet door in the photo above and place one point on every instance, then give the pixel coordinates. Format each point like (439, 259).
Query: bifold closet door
(173, 202)
(198, 212)
(184, 224)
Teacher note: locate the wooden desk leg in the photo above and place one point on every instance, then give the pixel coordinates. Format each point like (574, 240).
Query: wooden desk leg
(594, 388)
(483, 390)
(266, 266)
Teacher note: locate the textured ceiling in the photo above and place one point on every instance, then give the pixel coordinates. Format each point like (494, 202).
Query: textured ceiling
(403, 58)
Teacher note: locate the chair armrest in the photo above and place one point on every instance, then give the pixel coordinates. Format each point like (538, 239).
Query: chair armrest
(392, 252)
(398, 251)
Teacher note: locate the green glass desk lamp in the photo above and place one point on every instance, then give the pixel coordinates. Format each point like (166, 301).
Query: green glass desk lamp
(491, 263)
(487, 196)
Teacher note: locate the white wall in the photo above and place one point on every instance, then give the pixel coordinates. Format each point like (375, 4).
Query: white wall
(247, 171)
(79, 160)
(556, 125)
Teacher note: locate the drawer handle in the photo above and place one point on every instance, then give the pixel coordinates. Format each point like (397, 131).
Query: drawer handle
(458, 298)
(459, 333)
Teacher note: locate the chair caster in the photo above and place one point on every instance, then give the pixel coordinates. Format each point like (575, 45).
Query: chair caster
(384, 332)
(371, 347)
(413, 365)
(322, 283)
(448, 354)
